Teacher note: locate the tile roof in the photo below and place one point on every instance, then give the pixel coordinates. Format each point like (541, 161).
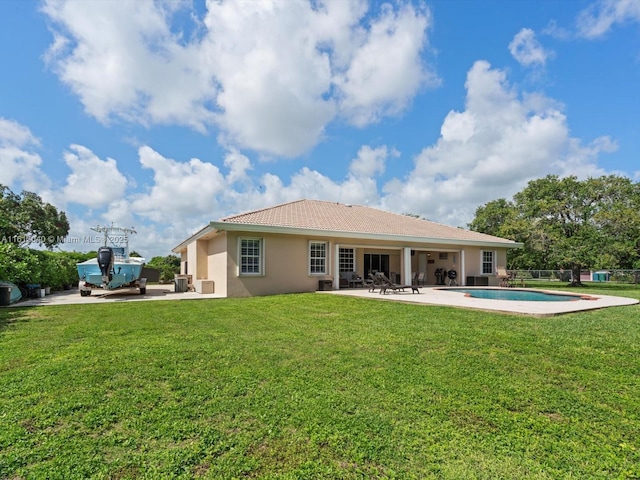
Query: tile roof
(338, 217)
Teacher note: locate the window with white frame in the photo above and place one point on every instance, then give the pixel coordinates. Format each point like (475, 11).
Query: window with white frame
(250, 256)
(318, 258)
(488, 262)
(346, 261)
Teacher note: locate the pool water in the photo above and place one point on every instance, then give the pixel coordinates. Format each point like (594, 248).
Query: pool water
(514, 294)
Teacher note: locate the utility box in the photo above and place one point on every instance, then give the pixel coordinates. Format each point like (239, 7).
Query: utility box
(181, 285)
(205, 286)
(325, 285)
(477, 281)
(601, 276)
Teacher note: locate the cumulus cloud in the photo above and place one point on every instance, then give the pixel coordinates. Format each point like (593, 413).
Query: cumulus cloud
(597, 19)
(179, 188)
(527, 50)
(491, 149)
(123, 61)
(370, 162)
(269, 75)
(386, 69)
(92, 182)
(19, 164)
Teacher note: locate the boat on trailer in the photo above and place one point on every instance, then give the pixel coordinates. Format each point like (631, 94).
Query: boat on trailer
(113, 268)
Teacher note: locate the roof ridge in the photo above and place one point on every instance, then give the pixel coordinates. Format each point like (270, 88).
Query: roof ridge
(249, 212)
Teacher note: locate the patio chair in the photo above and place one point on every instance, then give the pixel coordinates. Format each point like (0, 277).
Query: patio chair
(374, 282)
(395, 287)
(504, 279)
(421, 277)
(355, 280)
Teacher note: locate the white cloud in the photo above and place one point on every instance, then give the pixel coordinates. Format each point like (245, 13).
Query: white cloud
(527, 50)
(270, 75)
(93, 182)
(490, 150)
(123, 61)
(386, 69)
(370, 161)
(19, 164)
(597, 19)
(180, 188)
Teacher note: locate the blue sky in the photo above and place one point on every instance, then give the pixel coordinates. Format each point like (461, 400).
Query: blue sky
(165, 115)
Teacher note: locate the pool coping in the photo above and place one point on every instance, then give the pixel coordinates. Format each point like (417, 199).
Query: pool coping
(442, 296)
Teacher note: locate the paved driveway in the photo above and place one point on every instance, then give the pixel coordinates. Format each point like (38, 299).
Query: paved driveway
(154, 292)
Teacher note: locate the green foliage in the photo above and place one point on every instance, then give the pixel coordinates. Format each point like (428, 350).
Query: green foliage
(25, 219)
(52, 269)
(168, 266)
(317, 386)
(567, 223)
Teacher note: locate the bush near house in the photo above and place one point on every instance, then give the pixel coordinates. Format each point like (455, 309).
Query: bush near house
(24, 266)
(168, 266)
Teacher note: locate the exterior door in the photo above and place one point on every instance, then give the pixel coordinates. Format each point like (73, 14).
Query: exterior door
(376, 262)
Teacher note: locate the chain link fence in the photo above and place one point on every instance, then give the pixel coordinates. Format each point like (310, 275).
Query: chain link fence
(604, 275)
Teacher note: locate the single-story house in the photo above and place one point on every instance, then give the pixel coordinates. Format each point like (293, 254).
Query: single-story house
(308, 245)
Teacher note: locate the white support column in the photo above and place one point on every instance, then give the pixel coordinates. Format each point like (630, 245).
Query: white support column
(406, 270)
(336, 267)
(463, 276)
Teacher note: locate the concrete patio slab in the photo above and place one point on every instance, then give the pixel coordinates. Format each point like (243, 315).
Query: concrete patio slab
(427, 296)
(154, 292)
(442, 296)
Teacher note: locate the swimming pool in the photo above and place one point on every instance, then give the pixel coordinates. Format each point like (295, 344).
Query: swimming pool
(515, 294)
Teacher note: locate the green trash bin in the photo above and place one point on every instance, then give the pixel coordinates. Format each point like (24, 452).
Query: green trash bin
(5, 295)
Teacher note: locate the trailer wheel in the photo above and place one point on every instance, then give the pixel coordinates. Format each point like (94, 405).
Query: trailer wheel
(84, 293)
(143, 290)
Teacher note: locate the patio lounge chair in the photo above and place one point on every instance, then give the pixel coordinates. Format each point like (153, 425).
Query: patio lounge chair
(395, 287)
(504, 279)
(375, 282)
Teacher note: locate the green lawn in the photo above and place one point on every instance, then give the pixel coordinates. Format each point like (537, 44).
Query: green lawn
(318, 386)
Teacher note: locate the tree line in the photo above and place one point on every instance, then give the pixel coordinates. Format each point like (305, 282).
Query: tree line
(25, 221)
(566, 223)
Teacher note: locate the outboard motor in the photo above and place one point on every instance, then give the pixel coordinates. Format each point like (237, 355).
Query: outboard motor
(105, 262)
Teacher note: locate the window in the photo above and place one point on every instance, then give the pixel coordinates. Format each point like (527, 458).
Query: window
(317, 258)
(346, 262)
(250, 256)
(487, 262)
(443, 255)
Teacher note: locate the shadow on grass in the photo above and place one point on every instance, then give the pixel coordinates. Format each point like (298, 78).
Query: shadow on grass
(13, 315)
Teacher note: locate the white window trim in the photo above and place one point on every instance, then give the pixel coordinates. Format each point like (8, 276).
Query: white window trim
(353, 259)
(261, 272)
(327, 258)
(494, 258)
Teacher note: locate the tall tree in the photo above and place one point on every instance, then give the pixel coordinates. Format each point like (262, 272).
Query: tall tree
(567, 223)
(26, 219)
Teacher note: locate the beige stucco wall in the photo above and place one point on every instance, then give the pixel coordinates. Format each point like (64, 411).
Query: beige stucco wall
(286, 262)
(285, 266)
(217, 262)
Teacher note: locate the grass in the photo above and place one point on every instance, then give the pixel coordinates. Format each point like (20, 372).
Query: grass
(318, 386)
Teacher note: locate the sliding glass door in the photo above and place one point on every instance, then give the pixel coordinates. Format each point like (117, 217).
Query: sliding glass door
(375, 262)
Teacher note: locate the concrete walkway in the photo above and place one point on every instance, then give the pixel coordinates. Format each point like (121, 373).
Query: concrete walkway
(427, 296)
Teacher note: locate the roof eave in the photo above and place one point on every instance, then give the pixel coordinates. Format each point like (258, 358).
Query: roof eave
(199, 234)
(247, 227)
